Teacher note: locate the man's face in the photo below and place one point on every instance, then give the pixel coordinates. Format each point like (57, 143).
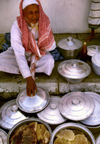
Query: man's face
(31, 13)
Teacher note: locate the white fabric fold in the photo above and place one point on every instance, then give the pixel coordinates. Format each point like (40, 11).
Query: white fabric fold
(29, 2)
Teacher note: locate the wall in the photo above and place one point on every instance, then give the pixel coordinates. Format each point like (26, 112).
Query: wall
(66, 16)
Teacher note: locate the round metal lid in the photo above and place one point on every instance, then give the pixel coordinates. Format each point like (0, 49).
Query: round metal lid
(3, 137)
(51, 113)
(94, 118)
(96, 59)
(10, 115)
(92, 50)
(35, 103)
(76, 106)
(74, 69)
(98, 140)
(69, 43)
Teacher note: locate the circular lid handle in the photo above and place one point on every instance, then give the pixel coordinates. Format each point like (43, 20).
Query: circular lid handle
(75, 101)
(74, 64)
(70, 41)
(14, 108)
(96, 49)
(53, 106)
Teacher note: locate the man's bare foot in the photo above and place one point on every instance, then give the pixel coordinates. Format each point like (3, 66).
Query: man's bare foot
(90, 38)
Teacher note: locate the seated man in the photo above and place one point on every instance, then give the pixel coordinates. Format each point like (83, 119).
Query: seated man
(31, 41)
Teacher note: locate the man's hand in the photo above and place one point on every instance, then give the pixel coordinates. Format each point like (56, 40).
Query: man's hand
(31, 86)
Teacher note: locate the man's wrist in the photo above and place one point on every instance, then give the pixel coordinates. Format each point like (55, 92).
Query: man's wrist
(28, 78)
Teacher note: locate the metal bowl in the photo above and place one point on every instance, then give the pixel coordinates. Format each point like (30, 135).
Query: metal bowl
(3, 137)
(74, 71)
(69, 47)
(98, 140)
(27, 121)
(73, 126)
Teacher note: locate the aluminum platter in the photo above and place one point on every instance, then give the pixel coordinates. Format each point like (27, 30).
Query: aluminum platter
(94, 118)
(51, 113)
(76, 106)
(35, 103)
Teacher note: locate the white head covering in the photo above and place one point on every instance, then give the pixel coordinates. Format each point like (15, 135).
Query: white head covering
(28, 2)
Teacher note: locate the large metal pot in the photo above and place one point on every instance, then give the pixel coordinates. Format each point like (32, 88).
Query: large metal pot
(27, 121)
(70, 47)
(74, 71)
(73, 126)
(96, 63)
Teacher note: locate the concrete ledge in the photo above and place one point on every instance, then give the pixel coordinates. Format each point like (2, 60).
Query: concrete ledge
(65, 88)
(11, 85)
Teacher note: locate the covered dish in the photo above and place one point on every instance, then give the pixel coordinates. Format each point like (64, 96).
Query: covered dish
(10, 114)
(74, 71)
(70, 47)
(92, 50)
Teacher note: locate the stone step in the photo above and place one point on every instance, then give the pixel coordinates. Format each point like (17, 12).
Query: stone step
(11, 85)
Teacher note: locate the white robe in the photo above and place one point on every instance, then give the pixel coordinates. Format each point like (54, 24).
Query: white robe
(14, 60)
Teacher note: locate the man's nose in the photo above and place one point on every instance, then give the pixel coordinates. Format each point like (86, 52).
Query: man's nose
(34, 15)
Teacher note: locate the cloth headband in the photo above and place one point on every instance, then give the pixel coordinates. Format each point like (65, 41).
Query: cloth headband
(28, 2)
